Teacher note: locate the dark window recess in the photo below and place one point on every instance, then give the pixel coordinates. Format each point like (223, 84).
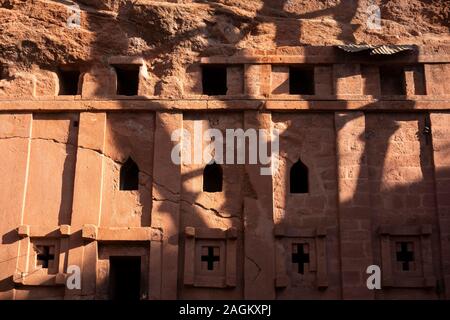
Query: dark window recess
(392, 80)
(68, 82)
(124, 278)
(45, 255)
(212, 178)
(2, 72)
(129, 176)
(299, 178)
(300, 256)
(301, 80)
(419, 80)
(214, 80)
(127, 79)
(210, 257)
(405, 255)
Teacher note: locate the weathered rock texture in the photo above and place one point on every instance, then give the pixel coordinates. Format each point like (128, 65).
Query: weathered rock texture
(79, 103)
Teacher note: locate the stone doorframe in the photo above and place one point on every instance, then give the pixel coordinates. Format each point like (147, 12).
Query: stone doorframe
(126, 241)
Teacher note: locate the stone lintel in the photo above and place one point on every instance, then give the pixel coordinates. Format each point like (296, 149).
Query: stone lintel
(40, 279)
(44, 231)
(360, 103)
(126, 60)
(322, 59)
(92, 232)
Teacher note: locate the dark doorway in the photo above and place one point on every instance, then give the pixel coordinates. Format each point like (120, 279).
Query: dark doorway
(125, 278)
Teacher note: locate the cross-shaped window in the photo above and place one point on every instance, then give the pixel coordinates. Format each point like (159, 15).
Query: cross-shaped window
(405, 254)
(300, 256)
(210, 255)
(45, 254)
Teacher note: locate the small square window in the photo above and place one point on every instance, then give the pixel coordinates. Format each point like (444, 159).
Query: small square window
(301, 80)
(214, 80)
(392, 80)
(68, 82)
(210, 257)
(127, 79)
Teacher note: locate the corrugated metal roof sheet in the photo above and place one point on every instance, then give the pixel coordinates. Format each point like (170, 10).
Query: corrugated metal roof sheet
(376, 49)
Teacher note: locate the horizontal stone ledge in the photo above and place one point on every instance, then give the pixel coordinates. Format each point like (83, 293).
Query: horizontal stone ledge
(44, 231)
(199, 98)
(326, 59)
(92, 232)
(211, 233)
(425, 229)
(120, 60)
(416, 282)
(235, 105)
(282, 231)
(40, 279)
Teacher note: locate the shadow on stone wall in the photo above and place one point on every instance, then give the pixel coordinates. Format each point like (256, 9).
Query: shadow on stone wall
(165, 44)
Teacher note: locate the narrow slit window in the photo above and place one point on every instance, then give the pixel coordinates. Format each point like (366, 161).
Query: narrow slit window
(2, 72)
(68, 82)
(392, 80)
(419, 80)
(127, 79)
(129, 176)
(212, 178)
(299, 179)
(301, 80)
(214, 80)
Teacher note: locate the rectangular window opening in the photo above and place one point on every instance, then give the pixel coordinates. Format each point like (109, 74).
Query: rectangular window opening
(68, 82)
(419, 80)
(214, 80)
(301, 80)
(127, 79)
(392, 80)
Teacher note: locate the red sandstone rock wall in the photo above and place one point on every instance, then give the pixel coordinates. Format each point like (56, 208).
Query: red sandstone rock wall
(171, 35)
(376, 173)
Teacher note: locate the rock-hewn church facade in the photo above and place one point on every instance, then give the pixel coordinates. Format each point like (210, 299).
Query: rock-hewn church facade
(88, 182)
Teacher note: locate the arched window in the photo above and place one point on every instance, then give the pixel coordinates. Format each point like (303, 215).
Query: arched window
(129, 175)
(212, 178)
(299, 178)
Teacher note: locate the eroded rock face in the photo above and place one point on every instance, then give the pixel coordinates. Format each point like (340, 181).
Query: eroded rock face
(95, 97)
(170, 35)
